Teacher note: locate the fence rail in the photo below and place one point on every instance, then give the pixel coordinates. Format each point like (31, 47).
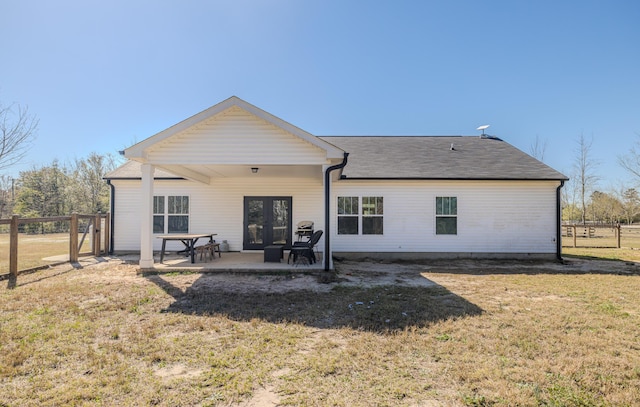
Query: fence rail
(93, 226)
(595, 235)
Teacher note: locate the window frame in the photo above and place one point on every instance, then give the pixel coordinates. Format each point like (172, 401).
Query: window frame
(368, 215)
(377, 213)
(347, 213)
(173, 209)
(443, 212)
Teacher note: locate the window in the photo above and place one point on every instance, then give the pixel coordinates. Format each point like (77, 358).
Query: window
(352, 219)
(348, 215)
(158, 214)
(446, 215)
(372, 209)
(172, 217)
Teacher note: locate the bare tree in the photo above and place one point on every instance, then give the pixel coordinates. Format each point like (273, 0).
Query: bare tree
(631, 160)
(17, 131)
(538, 148)
(6, 195)
(585, 167)
(570, 209)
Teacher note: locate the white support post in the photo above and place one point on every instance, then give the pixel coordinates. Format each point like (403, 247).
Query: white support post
(146, 218)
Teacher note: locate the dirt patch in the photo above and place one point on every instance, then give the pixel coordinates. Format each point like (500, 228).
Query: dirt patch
(264, 397)
(568, 266)
(364, 274)
(177, 371)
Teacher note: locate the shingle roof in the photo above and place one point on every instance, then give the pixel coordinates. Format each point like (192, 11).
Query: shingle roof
(417, 157)
(432, 157)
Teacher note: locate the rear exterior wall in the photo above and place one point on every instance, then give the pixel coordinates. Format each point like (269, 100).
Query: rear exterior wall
(217, 208)
(493, 217)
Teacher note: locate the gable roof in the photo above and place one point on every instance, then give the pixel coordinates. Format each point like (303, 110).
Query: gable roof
(138, 151)
(432, 157)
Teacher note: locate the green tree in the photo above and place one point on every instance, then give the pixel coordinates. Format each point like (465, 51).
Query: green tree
(41, 192)
(604, 208)
(630, 204)
(88, 192)
(56, 191)
(571, 213)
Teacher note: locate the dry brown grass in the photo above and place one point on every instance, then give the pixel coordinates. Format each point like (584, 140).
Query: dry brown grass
(480, 334)
(34, 249)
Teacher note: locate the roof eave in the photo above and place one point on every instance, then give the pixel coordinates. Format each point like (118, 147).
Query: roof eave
(346, 177)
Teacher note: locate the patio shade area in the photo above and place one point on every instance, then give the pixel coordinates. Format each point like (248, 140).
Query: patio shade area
(232, 261)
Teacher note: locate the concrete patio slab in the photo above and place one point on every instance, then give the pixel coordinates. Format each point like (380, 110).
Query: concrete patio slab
(233, 262)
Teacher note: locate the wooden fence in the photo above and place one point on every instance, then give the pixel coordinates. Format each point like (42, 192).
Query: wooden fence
(590, 233)
(92, 230)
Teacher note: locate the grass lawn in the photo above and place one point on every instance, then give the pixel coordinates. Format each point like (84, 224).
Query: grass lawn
(439, 334)
(33, 249)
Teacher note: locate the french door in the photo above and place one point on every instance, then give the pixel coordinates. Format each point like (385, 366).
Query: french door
(267, 221)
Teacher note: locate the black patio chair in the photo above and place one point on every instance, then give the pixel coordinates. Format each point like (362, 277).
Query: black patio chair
(304, 250)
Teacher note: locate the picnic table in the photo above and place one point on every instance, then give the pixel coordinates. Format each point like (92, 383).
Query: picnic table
(188, 240)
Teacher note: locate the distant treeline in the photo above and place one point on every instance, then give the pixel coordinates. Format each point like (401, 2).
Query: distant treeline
(57, 190)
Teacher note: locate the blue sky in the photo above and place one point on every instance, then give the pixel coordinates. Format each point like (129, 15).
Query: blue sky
(101, 75)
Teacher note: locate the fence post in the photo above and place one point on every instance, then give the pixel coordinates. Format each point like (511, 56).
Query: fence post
(96, 235)
(73, 238)
(13, 248)
(575, 233)
(619, 232)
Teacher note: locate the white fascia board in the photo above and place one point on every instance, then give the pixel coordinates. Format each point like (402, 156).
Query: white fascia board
(138, 150)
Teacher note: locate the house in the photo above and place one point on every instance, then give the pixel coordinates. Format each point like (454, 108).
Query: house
(251, 177)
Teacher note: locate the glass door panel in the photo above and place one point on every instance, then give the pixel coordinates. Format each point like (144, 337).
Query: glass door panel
(267, 221)
(280, 221)
(255, 220)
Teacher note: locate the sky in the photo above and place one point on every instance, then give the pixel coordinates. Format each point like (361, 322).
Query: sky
(103, 75)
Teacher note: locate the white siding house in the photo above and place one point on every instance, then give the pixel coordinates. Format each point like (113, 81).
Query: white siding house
(234, 167)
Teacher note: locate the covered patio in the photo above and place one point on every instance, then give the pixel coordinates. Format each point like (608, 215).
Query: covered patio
(232, 262)
(234, 171)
